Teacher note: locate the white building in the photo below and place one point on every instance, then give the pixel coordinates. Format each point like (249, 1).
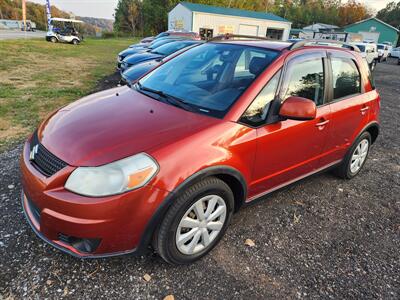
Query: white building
(214, 20)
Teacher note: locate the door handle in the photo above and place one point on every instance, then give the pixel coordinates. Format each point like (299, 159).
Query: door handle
(322, 124)
(364, 110)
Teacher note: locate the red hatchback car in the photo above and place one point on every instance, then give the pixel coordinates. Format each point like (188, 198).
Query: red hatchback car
(168, 161)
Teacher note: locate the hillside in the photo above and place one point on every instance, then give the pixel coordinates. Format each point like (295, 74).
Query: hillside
(103, 24)
(11, 9)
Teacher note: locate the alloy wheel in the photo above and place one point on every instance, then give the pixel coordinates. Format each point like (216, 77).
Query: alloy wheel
(359, 155)
(201, 224)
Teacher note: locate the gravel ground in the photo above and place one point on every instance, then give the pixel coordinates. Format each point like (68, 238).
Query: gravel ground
(320, 238)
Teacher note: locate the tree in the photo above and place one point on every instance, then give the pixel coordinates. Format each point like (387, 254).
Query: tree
(128, 17)
(352, 12)
(390, 14)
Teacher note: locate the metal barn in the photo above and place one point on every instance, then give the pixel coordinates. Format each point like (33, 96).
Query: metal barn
(211, 21)
(375, 30)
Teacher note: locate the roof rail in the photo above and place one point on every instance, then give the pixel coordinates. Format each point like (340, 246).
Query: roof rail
(323, 42)
(229, 36)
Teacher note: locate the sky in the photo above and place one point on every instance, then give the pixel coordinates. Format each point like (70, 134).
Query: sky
(85, 8)
(105, 8)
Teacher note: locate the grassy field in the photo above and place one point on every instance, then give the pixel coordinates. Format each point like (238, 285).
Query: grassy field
(37, 77)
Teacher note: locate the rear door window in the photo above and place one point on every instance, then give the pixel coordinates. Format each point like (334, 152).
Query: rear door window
(346, 78)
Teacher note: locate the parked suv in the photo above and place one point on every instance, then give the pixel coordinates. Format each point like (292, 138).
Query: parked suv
(370, 52)
(167, 162)
(383, 52)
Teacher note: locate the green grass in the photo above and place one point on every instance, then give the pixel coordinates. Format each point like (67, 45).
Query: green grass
(37, 77)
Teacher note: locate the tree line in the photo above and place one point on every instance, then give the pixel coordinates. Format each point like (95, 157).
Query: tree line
(147, 17)
(391, 14)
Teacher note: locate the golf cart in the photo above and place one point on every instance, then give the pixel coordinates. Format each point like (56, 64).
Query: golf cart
(64, 31)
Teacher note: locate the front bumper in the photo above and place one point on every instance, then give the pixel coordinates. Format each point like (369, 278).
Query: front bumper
(116, 223)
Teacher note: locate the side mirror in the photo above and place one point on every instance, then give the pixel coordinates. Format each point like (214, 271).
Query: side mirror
(298, 108)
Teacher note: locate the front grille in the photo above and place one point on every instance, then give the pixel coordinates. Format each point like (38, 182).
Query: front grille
(43, 160)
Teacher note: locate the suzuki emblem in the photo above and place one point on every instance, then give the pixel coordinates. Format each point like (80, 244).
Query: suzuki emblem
(33, 152)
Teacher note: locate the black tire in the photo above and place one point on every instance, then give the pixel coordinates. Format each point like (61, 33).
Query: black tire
(343, 170)
(53, 39)
(75, 42)
(164, 241)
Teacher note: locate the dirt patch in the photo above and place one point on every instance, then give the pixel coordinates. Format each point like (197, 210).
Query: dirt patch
(107, 82)
(7, 129)
(40, 68)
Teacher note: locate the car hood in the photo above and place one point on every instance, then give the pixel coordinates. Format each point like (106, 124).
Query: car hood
(115, 124)
(140, 69)
(139, 57)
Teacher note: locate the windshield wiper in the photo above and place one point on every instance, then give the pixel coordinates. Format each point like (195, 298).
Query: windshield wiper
(168, 98)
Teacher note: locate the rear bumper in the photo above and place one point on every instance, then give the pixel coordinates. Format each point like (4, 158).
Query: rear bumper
(117, 224)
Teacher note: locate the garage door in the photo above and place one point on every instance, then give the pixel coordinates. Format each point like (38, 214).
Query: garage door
(248, 29)
(370, 36)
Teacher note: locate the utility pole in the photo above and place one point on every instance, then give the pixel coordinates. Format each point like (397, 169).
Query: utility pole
(24, 16)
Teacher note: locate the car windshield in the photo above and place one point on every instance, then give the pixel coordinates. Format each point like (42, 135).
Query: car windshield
(361, 47)
(209, 78)
(171, 47)
(381, 47)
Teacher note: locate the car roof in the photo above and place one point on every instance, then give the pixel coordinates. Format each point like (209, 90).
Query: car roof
(274, 45)
(278, 45)
(364, 43)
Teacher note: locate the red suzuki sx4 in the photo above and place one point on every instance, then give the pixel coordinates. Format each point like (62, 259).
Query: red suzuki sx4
(166, 162)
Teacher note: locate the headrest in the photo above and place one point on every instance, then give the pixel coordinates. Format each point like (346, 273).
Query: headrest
(258, 64)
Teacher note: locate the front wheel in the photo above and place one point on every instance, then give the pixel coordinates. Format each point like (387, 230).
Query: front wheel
(75, 42)
(195, 222)
(355, 157)
(53, 39)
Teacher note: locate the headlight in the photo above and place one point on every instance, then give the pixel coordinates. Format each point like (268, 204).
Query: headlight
(114, 178)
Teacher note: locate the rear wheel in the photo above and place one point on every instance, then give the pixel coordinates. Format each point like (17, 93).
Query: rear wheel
(75, 42)
(355, 158)
(195, 222)
(53, 39)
